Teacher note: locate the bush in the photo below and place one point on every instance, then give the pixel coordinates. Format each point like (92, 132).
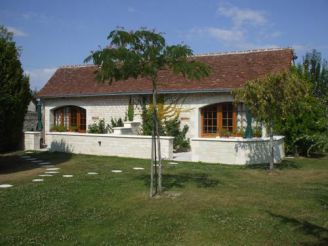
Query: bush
(59, 128)
(99, 127)
(167, 127)
(130, 113)
(116, 123)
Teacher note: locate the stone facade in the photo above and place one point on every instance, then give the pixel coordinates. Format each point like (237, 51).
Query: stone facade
(116, 107)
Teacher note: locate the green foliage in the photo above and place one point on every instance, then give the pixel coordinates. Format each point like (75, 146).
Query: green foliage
(116, 122)
(15, 94)
(315, 70)
(99, 127)
(257, 131)
(286, 101)
(130, 113)
(167, 127)
(172, 128)
(225, 133)
(272, 98)
(143, 53)
(304, 129)
(59, 128)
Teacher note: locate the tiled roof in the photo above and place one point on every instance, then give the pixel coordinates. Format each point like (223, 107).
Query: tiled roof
(229, 70)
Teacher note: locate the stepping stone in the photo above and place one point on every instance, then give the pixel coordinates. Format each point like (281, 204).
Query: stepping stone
(45, 175)
(44, 163)
(37, 161)
(37, 180)
(173, 163)
(68, 176)
(5, 186)
(29, 152)
(138, 168)
(46, 166)
(92, 173)
(51, 172)
(52, 168)
(32, 159)
(25, 157)
(116, 171)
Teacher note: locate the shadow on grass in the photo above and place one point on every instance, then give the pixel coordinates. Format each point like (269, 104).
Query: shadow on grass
(285, 164)
(307, 228)
(181, 180)
(12, 162)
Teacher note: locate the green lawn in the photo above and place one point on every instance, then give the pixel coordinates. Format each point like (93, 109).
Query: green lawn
(204, 204)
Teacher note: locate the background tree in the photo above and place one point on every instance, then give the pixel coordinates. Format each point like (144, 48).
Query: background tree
(14, 93)
(315, 69)
(306, 130)
(273, 98)
(143, 53)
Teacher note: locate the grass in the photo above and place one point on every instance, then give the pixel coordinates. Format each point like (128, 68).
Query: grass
(203, 204)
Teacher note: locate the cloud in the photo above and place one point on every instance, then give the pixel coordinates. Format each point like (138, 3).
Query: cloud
(221, 34)
(231, 38)
(242, 16)
(16, 31)
(247, 29)
(39, 77)
(131, 10)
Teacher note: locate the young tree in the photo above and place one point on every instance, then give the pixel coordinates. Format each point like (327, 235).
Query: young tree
(14, 93)
(143, 53)
(273, 98)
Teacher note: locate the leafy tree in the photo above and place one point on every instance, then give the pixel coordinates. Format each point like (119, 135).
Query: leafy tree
(273, 98)
(143, 53)
(315, 70)
(14, 93)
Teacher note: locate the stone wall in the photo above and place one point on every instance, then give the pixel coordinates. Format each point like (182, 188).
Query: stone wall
(236, 151)
(32, 140)
(107, 144)
(30, 121)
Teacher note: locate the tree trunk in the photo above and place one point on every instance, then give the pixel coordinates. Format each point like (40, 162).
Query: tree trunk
(271, 147)
(156, 163)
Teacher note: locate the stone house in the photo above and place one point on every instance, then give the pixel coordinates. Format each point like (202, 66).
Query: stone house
(74, 98)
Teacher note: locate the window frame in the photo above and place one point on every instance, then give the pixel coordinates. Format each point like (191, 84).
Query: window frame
(219, 119)
(64, 115)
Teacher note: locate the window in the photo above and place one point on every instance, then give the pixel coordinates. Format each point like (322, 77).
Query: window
(71, 117)
(216, 117)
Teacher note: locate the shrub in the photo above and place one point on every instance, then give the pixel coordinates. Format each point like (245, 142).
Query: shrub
(257, 132)
(167, 127)
(130, 113)
(99, 127)
(58, 128)
(116, 123)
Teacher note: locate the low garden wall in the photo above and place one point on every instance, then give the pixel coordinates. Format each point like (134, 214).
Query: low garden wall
(135, 146)
(237, 151)
(32, 140)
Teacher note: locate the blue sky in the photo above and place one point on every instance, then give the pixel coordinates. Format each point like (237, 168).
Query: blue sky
(63, 32)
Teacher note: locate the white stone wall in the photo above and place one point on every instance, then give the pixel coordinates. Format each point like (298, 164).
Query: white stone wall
(236, 151)
(32, 140)
(107, 144)
(116, 107)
